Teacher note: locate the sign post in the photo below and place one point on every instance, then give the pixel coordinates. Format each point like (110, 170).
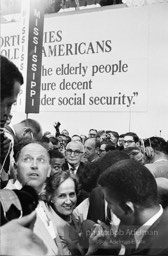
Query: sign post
(31, 52)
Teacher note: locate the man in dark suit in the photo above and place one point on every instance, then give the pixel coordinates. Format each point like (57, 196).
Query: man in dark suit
(74, 155)
(16, 237)
(131, 192)
(91, 147)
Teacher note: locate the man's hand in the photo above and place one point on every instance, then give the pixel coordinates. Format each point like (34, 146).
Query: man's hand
(96, 239)
(102, 237)
(18, 240)
(57, 125)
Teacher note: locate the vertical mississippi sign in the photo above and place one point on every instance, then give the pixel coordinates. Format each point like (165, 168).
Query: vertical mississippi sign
(31, 52)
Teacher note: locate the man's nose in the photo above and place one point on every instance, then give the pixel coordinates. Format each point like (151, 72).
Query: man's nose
(72, 153)
(34, 164)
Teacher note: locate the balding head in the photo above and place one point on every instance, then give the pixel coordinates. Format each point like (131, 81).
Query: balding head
(91, 147)
(74, 152)
(33, 165)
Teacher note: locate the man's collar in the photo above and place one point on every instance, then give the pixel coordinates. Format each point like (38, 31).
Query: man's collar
(75, 167)
(13, 184)
(140, 232)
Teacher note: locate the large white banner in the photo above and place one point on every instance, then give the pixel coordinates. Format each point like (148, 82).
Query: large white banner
(91, 61)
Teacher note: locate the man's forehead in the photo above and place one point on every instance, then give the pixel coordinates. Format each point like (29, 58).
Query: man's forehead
(32, 148)
(90, 142)
(75, 145)
(128, 137)
(92, 132)
(59, 161)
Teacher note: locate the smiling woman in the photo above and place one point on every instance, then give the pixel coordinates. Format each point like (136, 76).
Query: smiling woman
(61, 195)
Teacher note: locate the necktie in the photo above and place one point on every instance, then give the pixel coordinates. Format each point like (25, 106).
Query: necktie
(72, 169)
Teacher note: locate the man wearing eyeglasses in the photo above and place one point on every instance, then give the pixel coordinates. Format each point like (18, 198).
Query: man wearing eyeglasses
(74, 162)
(74, 154)
(131, 139)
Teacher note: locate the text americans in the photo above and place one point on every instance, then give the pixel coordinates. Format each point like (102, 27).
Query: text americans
(77, 48)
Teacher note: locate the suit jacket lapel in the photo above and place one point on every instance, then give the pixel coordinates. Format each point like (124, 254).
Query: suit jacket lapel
(146, 240)
(42, 232)
(52, 216)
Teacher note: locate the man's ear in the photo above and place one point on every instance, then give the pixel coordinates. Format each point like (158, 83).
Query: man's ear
(137, 144)
(128, 207)
(49, 171)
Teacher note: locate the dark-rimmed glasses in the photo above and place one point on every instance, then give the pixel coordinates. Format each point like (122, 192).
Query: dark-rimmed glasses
(76, 152)
(128, 141)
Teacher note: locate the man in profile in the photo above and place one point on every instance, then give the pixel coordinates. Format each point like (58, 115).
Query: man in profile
(16, 238)
(131, 192)
(91, 147)
(11, 81)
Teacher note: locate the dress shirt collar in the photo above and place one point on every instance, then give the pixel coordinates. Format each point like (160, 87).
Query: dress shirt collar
(75, 168)
(13, 184)
(140, 232)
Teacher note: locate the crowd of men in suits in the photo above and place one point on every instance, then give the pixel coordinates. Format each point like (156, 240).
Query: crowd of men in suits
(122, 184)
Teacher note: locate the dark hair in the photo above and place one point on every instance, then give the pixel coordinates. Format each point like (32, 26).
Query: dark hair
(115, 134)
(54, 153)
(9, 75)
(128, 180)
(68, 139)
(34, 125)
(93, 170)
(45, 139)
(97, 144)
(157, 143)
(54, 140)
(76, 135)
(56, 179)
(100, 132)
(92, 130)
(134, 135)
(84, 138)
(110, 146)
(121, 135)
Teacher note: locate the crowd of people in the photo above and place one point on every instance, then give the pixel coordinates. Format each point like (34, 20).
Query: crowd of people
(103, 193)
